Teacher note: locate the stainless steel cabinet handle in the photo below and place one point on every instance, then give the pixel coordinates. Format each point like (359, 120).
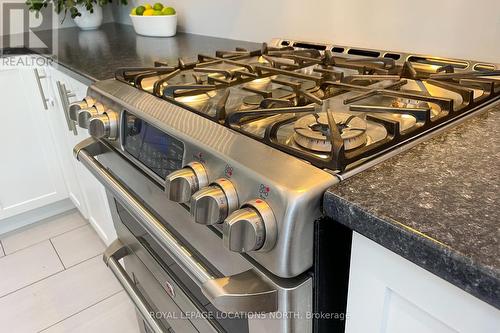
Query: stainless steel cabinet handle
(113, 253)
(66, 95)
(243, 292)
(39, 83)
(63, 95)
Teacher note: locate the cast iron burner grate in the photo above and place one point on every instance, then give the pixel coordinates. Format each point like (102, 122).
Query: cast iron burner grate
(315, 82)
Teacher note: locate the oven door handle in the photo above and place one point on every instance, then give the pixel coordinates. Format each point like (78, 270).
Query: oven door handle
(115, 252)
(244, 292)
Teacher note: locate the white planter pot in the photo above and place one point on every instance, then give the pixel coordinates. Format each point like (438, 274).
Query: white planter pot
(89, 21)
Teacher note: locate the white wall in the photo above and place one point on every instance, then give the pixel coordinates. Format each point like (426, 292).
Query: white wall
(456, 28)
(467, 29)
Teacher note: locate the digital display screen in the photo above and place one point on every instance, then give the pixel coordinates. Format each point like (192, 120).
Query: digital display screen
(157, 150)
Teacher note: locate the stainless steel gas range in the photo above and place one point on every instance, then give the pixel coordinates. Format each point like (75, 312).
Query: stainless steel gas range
(215, 169)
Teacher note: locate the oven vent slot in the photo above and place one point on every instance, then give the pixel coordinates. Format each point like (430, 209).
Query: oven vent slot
(337, 49)
(364, 53)
(394, 56)
(440, 62)
(484, 67)
(309, 46)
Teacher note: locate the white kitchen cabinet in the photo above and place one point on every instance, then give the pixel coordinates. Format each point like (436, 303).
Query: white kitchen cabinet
(390, 294)
(67, 138)
(37, 167)
(30, 172)
(88, 195)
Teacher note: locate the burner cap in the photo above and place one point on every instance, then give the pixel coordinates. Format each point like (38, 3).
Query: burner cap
(312, 131)
(278, 91)
(198, 99)
(252, 99)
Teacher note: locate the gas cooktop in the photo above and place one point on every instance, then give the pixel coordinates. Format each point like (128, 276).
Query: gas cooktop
(335, 107)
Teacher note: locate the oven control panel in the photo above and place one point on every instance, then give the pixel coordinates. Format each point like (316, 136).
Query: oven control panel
(158, 151)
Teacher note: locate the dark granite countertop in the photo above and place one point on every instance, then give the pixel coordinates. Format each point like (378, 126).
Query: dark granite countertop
(436, 205)
(95, 55)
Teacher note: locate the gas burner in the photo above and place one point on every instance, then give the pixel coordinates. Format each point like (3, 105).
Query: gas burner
(279, 89)
(313, 132)
(198, 99)
(259, 83)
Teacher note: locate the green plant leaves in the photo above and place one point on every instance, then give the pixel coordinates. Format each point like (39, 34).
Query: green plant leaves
(68, 6)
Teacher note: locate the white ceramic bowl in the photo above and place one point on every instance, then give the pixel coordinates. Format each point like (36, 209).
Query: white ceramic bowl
(155, 26)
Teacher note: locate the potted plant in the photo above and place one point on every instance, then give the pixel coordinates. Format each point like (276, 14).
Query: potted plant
(87, 14)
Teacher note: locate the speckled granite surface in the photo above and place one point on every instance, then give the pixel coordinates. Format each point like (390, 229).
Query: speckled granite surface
(95, 55)
(436, 204)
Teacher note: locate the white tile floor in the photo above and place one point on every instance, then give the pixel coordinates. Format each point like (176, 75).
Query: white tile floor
(53, 279)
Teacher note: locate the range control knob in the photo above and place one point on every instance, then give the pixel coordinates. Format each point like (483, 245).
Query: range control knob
(212, 204)
(74, 107)
(104, 125)
(84, 115)
(181, 184)
(250, 228)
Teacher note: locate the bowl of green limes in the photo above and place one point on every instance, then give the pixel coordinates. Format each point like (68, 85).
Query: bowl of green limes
(154, 20)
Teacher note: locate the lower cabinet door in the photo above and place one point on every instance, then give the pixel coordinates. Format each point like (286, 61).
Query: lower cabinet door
(389, 294)
(88, 195)
(64, 94)
(99, 214)
(30, 172)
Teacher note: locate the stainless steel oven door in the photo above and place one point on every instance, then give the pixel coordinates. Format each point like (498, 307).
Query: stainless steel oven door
(171, 246)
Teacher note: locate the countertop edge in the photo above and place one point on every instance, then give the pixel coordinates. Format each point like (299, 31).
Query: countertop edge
(77, 75)
(425, 252)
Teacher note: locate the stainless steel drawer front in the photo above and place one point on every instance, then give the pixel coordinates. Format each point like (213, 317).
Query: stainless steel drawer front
(175, 292)
(113, 253)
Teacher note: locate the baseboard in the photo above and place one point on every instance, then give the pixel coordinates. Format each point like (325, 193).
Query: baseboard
(99, 231)
(35, 215)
